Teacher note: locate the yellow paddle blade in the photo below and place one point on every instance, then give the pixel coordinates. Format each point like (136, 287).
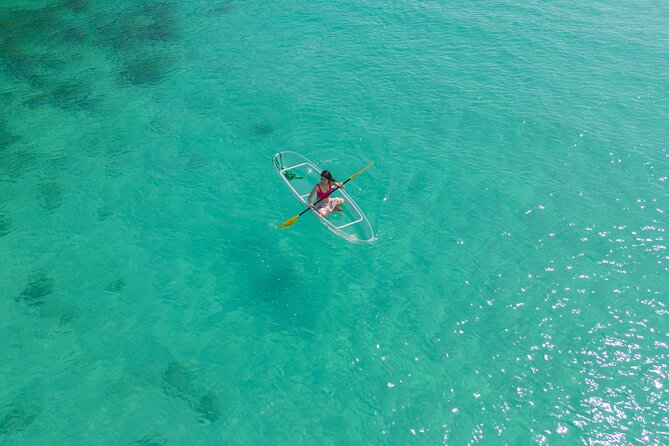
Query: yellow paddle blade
(356, 174)
(288, 222)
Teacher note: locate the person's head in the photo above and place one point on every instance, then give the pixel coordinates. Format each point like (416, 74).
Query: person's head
(327, 175)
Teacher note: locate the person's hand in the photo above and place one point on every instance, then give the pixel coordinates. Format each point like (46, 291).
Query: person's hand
(311, 205)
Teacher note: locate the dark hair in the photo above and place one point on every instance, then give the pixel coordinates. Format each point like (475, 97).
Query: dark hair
(327, 175)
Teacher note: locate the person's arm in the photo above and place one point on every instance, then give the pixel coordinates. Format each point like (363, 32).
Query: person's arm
(311, 194)
(338, 184)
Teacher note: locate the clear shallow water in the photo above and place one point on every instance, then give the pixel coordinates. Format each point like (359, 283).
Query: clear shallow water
(516, 293)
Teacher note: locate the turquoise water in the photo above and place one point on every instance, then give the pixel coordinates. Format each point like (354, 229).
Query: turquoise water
(515, 294)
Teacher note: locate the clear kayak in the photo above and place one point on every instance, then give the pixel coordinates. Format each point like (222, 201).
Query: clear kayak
(301, 175)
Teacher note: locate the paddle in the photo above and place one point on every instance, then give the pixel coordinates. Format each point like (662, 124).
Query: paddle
(292, 220)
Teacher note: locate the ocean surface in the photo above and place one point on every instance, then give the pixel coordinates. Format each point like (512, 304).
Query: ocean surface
(517, 289)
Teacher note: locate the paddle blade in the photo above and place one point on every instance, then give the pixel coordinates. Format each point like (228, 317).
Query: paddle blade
(288, 222)
(356, 174)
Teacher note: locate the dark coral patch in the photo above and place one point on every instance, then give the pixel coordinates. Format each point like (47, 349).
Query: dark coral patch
(24, 30)
(74, 95)
(36, 290)
(209, 407)
(15, 421)
(161, 12)
(146, 72)
(156, 440)
(135, 36)
(74, 35)
(25, 68)
(17, 163)
(222, 9)
(262, 129)
(6, 136)
(70, 96)
(196, 163)
(76, 5)
(115, 286)
(157, 32)
(5, 226)
(179, 380)
(136, 27)
(30, 25)
(51, 195)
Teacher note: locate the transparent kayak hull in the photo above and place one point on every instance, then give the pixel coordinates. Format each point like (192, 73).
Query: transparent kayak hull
(301, 175)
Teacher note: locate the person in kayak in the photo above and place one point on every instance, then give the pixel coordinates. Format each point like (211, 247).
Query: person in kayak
(323, 190)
